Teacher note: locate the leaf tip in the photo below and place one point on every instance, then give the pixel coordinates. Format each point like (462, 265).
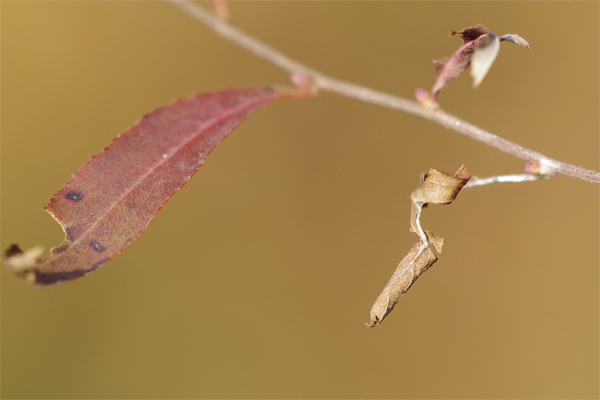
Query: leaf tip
(372, 323)
(380, 310)
(511, 37)
(463, 173)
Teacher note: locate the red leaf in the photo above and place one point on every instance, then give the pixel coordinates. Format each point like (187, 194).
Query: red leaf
(113, 197)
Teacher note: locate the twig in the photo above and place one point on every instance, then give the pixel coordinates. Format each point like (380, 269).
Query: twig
(548, 166)
(504, 178)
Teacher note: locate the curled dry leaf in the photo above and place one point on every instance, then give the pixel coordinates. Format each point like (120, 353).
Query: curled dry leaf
(417, 261)
(479, 50)
(435, 188)
(113, 197)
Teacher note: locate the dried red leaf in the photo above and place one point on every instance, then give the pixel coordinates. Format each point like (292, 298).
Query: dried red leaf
(113, 197)
(470, 34)
(479, 50)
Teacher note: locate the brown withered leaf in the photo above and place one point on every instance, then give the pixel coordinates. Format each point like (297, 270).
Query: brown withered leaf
(417, 261)
(436, 241)
(435, 188)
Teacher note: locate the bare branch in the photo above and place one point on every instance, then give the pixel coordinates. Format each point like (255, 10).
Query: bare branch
(504, 178)
(323, 82)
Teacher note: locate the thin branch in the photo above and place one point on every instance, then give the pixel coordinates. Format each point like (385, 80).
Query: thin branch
(548, 166)
(503, 178)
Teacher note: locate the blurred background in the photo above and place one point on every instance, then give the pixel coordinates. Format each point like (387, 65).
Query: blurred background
(256, 279)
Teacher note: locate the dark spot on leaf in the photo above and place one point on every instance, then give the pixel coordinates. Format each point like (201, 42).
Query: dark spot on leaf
(60, 249)
(70, 236)
(94, 244)
(128, 242)
(129, 204)
(43, 278)
(74, 196)
(99, 264)
(269, 89)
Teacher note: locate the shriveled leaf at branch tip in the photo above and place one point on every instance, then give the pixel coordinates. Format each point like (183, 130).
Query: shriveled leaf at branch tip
(417, 261)
(479, 50)
(437, 188)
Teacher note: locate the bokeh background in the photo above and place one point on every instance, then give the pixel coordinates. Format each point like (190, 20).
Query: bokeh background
(256, 279)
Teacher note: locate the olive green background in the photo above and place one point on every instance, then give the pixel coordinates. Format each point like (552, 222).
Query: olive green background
(256, 279)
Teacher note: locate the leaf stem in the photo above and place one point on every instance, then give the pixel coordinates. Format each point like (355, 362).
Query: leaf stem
(420, 231)
(549, 166)
(504, 178)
